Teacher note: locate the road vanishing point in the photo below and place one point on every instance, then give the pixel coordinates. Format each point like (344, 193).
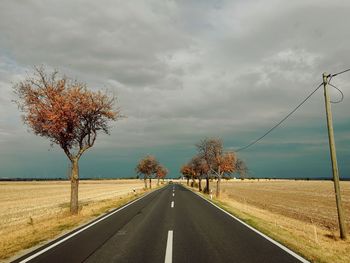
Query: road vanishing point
(171, 224)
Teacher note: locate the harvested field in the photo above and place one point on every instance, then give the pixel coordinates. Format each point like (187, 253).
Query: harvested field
(308, 201)
(32, 212)
(20, 201)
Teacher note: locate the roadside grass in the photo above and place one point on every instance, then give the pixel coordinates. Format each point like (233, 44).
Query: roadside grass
(314, 243)
(38, 231)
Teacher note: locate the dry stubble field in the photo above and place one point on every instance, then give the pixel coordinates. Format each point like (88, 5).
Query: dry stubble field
(308, 201)
(300, 214)
(32, 212)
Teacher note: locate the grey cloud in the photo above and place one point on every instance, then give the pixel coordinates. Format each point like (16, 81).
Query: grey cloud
(183, 67)
(115, 41)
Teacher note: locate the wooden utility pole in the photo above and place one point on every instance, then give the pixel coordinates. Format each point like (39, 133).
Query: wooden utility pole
(335, 171)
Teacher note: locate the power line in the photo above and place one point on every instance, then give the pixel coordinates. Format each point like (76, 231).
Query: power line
(341, 93)
(280, 122)
(341, 72)
(330, 76)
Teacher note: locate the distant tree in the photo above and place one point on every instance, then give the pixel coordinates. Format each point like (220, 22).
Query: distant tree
(193, 174)
(67, 113)
(218, 163)
(161, 172)
(226, 165)
(186, 171)
(200, 169)
(193, 163)
(147, 166)
(241, 168)
(210, 150)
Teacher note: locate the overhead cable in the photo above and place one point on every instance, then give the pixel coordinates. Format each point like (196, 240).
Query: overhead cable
(281, 121)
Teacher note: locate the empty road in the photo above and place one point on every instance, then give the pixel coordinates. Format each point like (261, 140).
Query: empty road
(169, 225)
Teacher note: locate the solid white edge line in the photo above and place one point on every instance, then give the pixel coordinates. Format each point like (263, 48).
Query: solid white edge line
(81, 230)
(172, 204)
(258, 232)
(169, 248)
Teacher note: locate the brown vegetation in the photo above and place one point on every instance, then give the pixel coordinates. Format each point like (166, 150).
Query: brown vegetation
(211, 161)
(161, 173)
(149, 166)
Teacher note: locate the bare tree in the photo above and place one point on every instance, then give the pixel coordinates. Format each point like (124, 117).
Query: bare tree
(67, 113)
(241, 168)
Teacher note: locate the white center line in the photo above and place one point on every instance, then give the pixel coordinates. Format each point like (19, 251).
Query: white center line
(172, 204)
(173, 194)
(169, 248)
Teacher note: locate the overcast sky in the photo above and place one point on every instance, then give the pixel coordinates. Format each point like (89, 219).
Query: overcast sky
(182, 71)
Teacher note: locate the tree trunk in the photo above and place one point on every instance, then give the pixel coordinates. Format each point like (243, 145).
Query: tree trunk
(207, 185)
(200, 184)
(74, 180)
(218, 187)
(188, 181)
(145, 180)
(158, 182)
(150, 183)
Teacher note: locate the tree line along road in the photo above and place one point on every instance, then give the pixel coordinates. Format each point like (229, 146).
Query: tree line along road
(171, 224)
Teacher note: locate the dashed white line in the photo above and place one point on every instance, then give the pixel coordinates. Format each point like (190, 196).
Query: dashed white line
(173, 194)
(169, 248)
(172, 204)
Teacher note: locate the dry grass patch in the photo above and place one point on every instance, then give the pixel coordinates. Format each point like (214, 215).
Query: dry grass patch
(308, 201)
(33, 212)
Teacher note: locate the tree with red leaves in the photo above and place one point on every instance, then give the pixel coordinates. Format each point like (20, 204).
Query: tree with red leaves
(187, 171)
(218, 162)
(209, 149)
(147, 166)
(200, 168)
(67, 113)
(225, 164)
(161, 172)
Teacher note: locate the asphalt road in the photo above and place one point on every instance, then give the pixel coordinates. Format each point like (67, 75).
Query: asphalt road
(169, 225)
